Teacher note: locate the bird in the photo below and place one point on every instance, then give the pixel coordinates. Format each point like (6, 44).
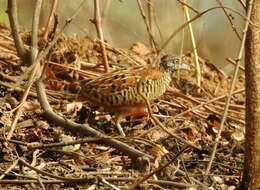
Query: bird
(117, 91)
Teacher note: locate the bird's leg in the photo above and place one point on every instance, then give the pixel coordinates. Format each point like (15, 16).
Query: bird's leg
(120, 129)
(118, 125)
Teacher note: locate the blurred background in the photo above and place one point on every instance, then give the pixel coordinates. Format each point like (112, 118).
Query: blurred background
(123, 24)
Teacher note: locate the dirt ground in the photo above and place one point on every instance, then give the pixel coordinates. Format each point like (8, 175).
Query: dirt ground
(103, 166)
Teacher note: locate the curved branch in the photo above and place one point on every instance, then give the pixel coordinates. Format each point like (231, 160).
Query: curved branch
(12, 14)
(85, 129)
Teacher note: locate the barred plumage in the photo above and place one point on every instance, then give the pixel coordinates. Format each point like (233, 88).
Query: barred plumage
(117, 91)
(120, 87)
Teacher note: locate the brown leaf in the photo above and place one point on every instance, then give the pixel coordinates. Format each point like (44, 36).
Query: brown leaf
(140, 49)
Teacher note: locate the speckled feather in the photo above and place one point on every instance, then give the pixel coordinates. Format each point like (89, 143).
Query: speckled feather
(119, 88)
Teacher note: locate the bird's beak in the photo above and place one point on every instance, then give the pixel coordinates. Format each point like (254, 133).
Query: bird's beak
(184, 66)
(177, 66)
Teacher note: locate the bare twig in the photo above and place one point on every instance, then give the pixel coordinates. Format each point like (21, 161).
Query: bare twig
(181, 52)
(229, 95)
(106, 8)
(194, 48)
(12, 14)
(34, 52)
(51, 16)
(158, 169)
(208, 102)
(234, 63)
(197, 107)
(9, 169)
(97, 22)
(84, 128)
(159, 123)
(229, 19)
(72, 180)
(147, 26)
(150, 11)
(109, 184)
(150, 14)
(43, 53)
(242, 3)
(41, 183)
(111, 179)
(123, 53)
(241, 121)
(81, 141)
(187, 5)
(157, 25)
(198, 16)
(35, 28)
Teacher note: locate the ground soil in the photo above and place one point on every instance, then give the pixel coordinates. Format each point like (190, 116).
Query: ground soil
(72, 60)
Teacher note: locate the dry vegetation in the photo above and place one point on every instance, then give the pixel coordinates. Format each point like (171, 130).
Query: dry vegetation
(103, 166)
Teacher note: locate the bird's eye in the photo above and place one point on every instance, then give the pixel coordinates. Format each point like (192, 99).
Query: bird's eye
(176, 61)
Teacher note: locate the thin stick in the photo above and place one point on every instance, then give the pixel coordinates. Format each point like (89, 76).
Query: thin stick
(74, 180)
(195, 52)
(234, 63)
(105, 10)
(229, 95)
(197, 107)
(198, 16)
(50, 20)
(181, 51)
(43, 53)
(34, 52)
(229, 19)
(159, 123)
(97, 22)
(9, 169)
(134, 186)
(242, 3)
(12, 14)
(190, 7)
(83, 128)
(150, 21)
(208, 102)
(147, 25)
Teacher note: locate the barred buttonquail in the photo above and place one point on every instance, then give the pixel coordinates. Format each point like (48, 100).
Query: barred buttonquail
(117, 91)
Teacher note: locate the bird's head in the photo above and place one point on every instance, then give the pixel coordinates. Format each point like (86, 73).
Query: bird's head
(171, 63)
